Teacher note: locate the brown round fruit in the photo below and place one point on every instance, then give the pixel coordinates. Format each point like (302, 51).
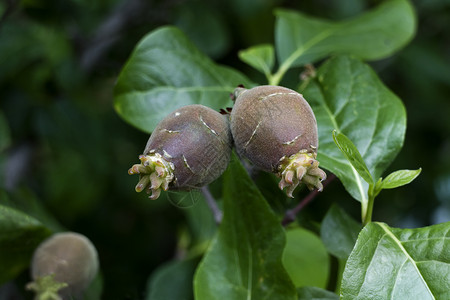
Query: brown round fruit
(188, 149)
(65, 263)
(275, 128)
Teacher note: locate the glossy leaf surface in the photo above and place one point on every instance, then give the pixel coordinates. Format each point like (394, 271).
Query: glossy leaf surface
(244, 260)
(315, 293)
(261, 57)
(353, 156)
(348, 96)
(172, 280)
(166, 71)
(392, 263)
(20, 234)
(339, 232)
(376, 34)
(399, 178)
(305, 258)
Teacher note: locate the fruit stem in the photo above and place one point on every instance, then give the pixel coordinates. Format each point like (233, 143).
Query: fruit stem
(212, 204)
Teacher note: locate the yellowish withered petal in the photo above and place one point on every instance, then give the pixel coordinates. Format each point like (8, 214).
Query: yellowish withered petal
(160, 171)
(300, 167)
(155, 180)
(301, 171)
(319, 186)
(319, 173)
(291, 189)
(155, 194)
(289, 176)
(142, 184)
(155, 173)
(282, 184)
(138, 169)
(310, 181)
(165, 185)
(131, 171)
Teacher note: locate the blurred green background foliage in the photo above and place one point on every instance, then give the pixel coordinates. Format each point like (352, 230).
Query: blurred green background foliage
(65, 152)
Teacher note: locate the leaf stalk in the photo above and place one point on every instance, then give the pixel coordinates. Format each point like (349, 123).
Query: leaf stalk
(368, 208)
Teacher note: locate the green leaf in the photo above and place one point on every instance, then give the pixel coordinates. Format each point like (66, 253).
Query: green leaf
(339, 232)
(315, 293)
(305, 258)
(25, 201)
(172, 280)
(165, 72)
(201, 221)
(347, 96)
(261, 57)
(244, 260)
(20, 234)
(399, 178)
(205, 27)
(392, 263)
(353, 156)
(376, 34)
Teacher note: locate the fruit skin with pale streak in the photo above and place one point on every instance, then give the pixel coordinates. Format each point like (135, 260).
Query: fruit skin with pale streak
(188, 149)
(275, 129)
(63, 266)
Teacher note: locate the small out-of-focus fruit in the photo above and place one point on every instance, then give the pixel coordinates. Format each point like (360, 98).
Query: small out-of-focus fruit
(188, 149)
(63, 266)
(275, 129)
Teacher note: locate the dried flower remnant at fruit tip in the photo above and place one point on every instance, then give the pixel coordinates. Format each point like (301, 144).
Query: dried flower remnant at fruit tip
(155, 174)
(300, 167)
(46, 287)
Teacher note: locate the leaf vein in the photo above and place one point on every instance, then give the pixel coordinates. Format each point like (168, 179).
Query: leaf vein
(336, 126)
(408, 257)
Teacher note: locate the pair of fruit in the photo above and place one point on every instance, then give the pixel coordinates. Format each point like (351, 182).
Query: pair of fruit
(271, 126)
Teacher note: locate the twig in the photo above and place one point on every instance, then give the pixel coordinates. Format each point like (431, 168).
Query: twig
(290, 214)
(109, 32)
(217, 213)
(126, 16)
